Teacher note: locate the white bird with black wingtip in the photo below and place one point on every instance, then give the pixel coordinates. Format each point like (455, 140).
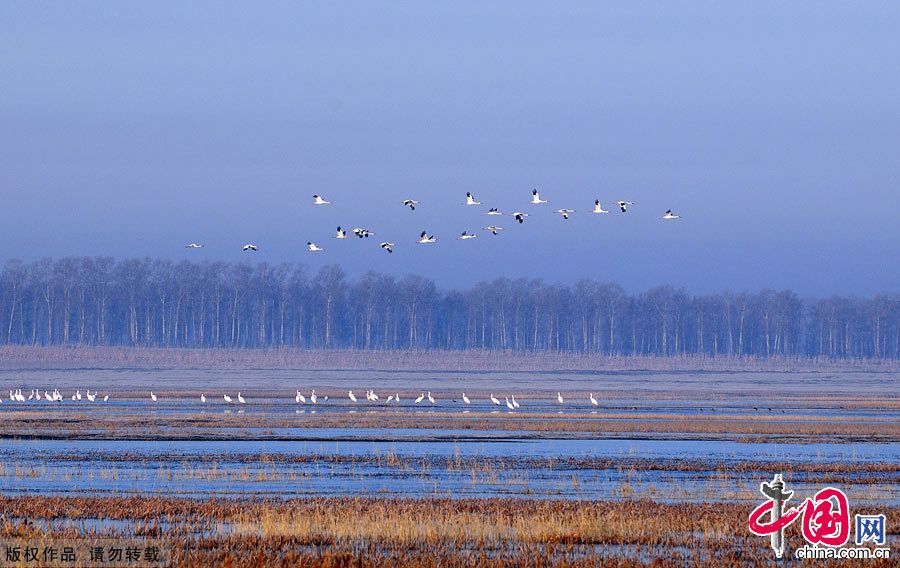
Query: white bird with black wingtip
(387, 246)
(341, 233)
(250, 247)
(466, 236)
(493, 212)
(598, 208)
(194, 246)
(319, 200)
(668, 215)
(411, 203)
(362, 233)
(519, 216)
(493, 229)
(536, 198)
(426, 239)
(313, 247)
(470, 199)
(623, 205)
(565, 212)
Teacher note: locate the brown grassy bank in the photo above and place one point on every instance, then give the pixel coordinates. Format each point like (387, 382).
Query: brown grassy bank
(36, 357)
(368, 532)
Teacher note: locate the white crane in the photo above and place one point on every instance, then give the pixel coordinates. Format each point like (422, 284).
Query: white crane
(250, 247)
(493, 229)
(668, 215)
(593, 400)
(153, 396)
(519, 216)
(202, 398)
(514, 402)
(426, 239)
(598, 208)
(493, 211)
(362, 232)
(106, 398)
(466, 236)
(341, 234)
(466, 399)
(313, 247)
(536, 198)
(509, 405)
(470, 199)
(565, 212)
(623, 205)
(193, 246)
(559, 398)
(387, 246)
(389, 399)
(411, 203)
(77, 394)
(495, 400)
(351, 396)
(226, 397)
(430, 398)
(240, 398)
(419, 398)
(318, 200)
(313, 398)
(300, 398)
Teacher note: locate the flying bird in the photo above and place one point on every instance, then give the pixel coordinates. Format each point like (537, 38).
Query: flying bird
(493, 211)
(565, 212)
(361, 232)
(194, 246)
(493, 229)
(317, 200)
(623, 205)
(313, 247)
(466, 236)
(520, 217)
(598, 208)
(470, 199)
(252, 247)
(387, 246)
(341, 234)
(536, 198)
(426, 239)
(411, 203)
(668, 215)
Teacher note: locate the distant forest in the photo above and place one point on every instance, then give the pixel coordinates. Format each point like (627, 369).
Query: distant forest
(158, 303)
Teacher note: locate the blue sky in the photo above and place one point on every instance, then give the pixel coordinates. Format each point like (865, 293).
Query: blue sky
(772, 128)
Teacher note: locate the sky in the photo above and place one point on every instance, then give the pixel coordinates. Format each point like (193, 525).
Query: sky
(772, 128)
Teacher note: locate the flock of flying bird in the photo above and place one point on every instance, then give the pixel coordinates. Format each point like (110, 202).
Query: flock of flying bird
(300, 398)
(425, 238)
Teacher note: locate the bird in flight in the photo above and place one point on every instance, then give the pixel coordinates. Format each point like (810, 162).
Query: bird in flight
(411, 203)
(341, 234)
(470, 199)
(317, 200)
(599, 208)
(360, 232)
(668, 215)
(493, 211)
(493, 229)
(520, 217)
(250, 246)
(387, 246)
(623, 205)
(565, 212)
(425, 238)
(313, 247)
(466, 236)
(194, 246)
(536, 198)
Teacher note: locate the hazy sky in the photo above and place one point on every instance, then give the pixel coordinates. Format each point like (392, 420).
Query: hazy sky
(772, 128)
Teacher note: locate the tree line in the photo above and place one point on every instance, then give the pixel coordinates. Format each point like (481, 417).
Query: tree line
(159, 303)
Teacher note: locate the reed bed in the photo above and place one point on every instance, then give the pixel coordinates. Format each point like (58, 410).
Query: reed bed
(376, 532)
